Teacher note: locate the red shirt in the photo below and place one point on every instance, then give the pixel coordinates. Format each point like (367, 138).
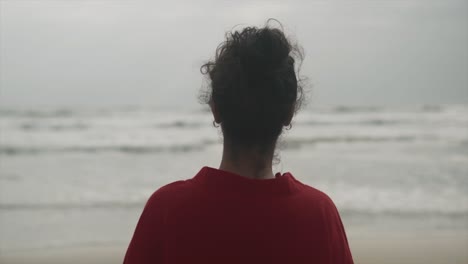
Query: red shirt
(221, 217)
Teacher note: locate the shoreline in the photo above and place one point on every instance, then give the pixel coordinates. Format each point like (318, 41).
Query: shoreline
(367, 248)
(434, 247)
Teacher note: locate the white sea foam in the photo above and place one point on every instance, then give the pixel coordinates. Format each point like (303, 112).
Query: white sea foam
(146, 130)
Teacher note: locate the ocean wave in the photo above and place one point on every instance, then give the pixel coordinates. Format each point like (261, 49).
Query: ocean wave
(6, 150)
(432, 108)
(10, 177)
(298, 142)
(70, 206)
(181, 124)
(289, 143)
(422, 213)
(368, 122)
(65, 112)
(54, 127)
(346, 212)
(353, 109)
(60, 112)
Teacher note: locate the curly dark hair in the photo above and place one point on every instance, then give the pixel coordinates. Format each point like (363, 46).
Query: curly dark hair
(254, 86)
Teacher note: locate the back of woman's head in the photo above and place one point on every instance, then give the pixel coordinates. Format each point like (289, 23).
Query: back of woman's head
(254, 89)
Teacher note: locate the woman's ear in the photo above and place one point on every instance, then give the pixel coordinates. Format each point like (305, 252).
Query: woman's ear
(215, 112)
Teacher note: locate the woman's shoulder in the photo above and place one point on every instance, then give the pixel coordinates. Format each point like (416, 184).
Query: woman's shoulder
(313, 194)
(171, 192)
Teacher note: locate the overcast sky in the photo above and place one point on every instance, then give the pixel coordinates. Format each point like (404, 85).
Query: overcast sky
(109, 52)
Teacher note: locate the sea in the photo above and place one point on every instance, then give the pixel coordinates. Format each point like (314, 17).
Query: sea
(80, 176)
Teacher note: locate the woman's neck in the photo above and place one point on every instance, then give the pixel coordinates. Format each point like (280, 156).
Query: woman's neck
(247, 162)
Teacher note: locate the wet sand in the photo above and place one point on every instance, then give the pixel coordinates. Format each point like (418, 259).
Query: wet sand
(367, 248)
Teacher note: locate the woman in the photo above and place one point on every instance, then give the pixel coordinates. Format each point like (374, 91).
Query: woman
(242, 212)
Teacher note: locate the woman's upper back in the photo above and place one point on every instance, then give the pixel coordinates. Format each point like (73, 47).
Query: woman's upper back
(221, 217)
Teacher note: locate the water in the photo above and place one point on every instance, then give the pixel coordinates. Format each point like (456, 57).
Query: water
(71, 177)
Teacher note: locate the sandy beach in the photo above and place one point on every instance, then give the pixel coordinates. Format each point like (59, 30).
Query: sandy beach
(412, 248)
(436, 248)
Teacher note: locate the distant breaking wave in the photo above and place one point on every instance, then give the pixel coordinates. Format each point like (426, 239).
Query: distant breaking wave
(5, 150)
(139, 204)
(295, 143)
(176, 148)
(36, 126)
(69, 112)
(70, 206)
